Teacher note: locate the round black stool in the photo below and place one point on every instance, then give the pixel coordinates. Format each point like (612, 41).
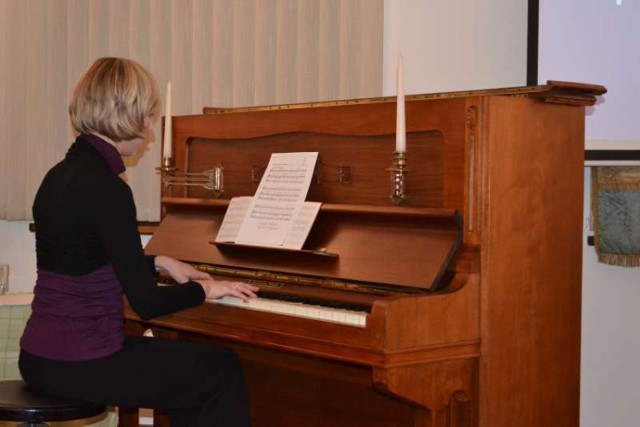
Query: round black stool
(33, 409)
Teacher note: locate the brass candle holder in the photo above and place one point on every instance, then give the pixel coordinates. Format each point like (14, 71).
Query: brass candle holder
(167, 166)
(398, 173)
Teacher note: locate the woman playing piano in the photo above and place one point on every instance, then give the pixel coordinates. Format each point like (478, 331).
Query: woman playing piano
(89, 254)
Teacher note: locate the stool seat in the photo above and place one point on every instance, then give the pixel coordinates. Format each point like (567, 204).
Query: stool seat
(19, 403)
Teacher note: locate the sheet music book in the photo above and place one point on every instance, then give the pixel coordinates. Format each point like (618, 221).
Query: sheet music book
(238, 209)
(277, 216)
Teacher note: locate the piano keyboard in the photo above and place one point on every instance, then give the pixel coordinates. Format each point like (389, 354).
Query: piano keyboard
(297, 309)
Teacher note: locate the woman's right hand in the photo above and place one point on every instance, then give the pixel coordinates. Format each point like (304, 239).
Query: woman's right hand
(215, 289)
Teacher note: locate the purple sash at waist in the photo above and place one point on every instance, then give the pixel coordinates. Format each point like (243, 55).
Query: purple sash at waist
(75, 317)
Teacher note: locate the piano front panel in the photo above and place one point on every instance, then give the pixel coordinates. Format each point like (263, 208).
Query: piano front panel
(291, 389)
(366, 157)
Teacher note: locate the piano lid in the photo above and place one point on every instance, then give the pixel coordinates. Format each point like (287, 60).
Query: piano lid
(387, 246)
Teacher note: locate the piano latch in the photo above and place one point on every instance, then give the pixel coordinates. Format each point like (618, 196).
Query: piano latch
(257, 172)
(344, 175)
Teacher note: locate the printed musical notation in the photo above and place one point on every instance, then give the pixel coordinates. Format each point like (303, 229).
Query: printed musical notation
(277, 215)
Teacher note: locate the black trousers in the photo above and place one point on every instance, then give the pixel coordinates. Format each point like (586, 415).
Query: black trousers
(198, 384)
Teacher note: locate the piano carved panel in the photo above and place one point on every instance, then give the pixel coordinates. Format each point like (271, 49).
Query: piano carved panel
(366, 157)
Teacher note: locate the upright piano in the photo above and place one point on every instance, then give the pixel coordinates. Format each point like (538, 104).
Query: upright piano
(455, 305)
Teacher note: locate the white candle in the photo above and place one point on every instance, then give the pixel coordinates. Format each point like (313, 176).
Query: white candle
(401, 135)
(166, 143)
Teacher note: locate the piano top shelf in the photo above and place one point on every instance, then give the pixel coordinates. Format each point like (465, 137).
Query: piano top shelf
(326, 207)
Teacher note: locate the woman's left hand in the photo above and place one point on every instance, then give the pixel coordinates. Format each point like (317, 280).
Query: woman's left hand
(178, 270)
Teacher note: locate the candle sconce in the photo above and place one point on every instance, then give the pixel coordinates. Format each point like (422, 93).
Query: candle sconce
(398, 173)
(212, 179)
(167, 167)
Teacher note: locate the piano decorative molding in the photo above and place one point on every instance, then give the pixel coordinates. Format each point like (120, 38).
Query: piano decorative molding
(456, 308)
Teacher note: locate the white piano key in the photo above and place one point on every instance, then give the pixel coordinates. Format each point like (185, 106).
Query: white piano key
(296, 309)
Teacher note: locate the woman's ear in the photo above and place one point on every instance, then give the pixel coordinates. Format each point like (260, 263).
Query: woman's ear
(149, 123)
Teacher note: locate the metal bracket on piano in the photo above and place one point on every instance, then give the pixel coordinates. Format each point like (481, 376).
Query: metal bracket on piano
(212, 179)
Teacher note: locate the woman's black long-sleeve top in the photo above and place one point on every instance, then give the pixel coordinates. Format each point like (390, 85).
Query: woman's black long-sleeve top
(85, 218)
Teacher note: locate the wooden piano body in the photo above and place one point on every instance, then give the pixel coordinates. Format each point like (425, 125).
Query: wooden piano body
(472, 283)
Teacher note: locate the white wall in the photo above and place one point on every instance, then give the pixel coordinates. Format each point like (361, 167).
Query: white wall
(610, 339)
(599, 46)
(455, 45)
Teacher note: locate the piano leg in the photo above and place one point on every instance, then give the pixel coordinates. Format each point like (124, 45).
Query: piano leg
(461, 410)
(128, 417)
(447, 389)
(161, 419)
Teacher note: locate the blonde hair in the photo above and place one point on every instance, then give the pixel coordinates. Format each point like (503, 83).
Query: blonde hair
(113, 98)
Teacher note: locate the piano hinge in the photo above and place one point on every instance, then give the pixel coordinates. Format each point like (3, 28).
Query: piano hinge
(277, 280)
